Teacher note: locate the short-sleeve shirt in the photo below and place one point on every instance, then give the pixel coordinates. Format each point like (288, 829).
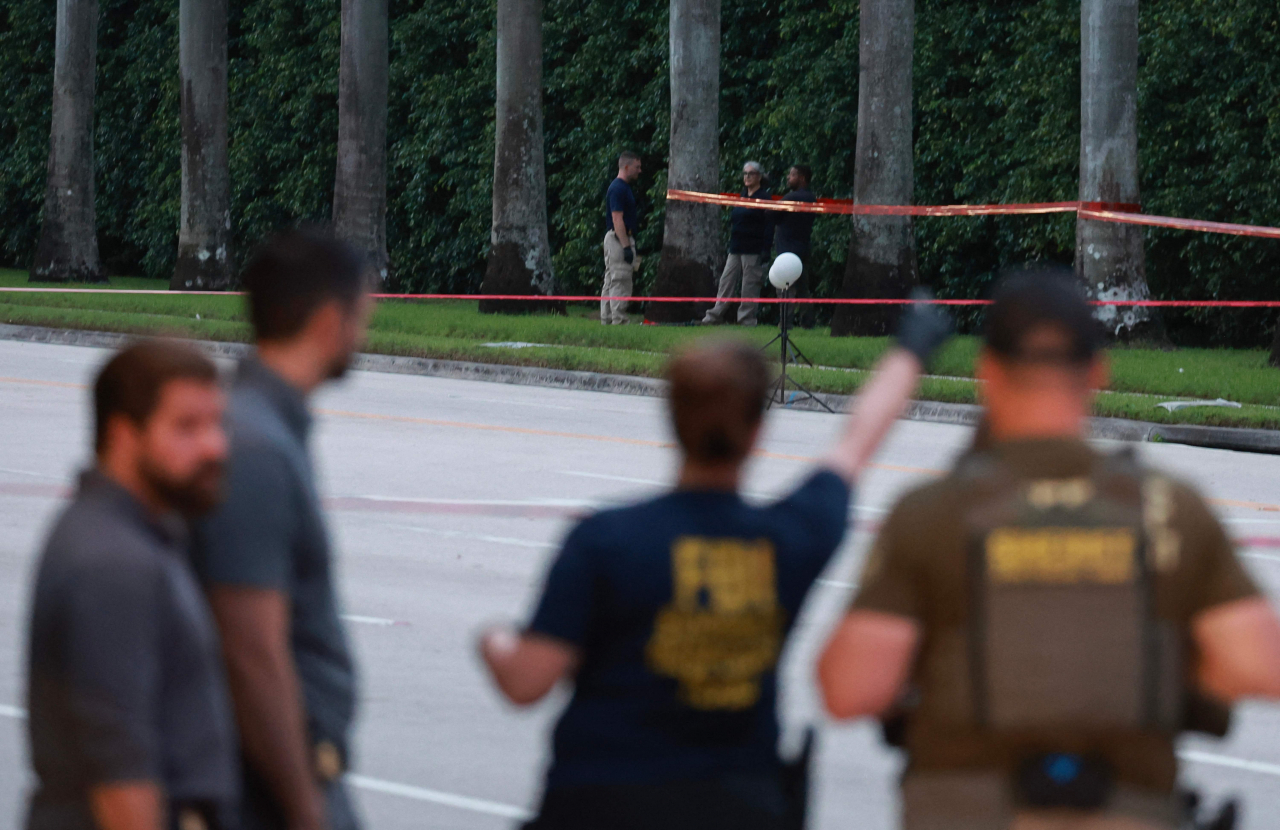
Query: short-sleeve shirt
(679, 607)
(270, 533)
(620, 198)
(918, 569)
(125, 679)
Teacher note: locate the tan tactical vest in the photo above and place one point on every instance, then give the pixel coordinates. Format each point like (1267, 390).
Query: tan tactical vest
(1063, 632)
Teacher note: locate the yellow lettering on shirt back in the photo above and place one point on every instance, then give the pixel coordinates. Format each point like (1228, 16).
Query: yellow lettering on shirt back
(1061, 555)
(723, 626)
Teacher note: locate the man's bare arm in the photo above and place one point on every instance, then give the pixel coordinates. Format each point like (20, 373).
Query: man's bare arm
(526, 667)
(866, 663)
(254, 624)
(127, 805)
(1239, 644)
(620, 229)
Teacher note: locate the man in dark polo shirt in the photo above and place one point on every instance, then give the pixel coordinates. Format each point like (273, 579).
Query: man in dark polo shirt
(129, 721)
(670, 615)
(1055, 611)
(620, 258)
(792, 235)
(264, 556)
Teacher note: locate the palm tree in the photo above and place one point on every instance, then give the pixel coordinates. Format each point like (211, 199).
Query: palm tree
(1109, 255)
(204, 235)
(360, 184)
(68, 246)
(882, 249)
(691, 249)
(520, 252)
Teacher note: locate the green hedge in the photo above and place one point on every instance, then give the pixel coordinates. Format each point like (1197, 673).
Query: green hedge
(997, 119)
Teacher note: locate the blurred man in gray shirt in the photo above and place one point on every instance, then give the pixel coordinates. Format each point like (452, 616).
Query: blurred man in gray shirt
(264, 556)
(129, 720)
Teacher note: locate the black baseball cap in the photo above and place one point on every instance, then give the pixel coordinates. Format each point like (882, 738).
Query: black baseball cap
(1031, 297)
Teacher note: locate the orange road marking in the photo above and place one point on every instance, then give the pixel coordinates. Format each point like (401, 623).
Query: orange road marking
(58, 384)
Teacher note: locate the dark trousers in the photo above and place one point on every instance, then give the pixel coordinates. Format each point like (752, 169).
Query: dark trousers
(736, 803)
(802, 314)
(261, 811)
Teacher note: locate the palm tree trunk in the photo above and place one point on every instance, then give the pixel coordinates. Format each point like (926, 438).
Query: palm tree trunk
(519, 252)
(68, 246)
(1109, 255)
(882, 249)
(691, 250)
(360, 184)
(204, 236)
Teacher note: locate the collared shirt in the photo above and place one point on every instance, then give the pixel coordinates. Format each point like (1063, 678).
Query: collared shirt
(125, 681)
(680, 606)
(269, 533)
(622, 199)
(795, 229)
(751, 230)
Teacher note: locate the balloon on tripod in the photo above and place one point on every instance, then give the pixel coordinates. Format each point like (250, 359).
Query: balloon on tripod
(784, 272)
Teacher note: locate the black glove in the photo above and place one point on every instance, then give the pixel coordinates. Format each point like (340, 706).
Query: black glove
(923, 328)
(629, 254)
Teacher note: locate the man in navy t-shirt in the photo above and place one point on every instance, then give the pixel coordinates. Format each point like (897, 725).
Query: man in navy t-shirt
(670, 615)
(620, 259)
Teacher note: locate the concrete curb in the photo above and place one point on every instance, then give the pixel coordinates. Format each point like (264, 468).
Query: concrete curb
(1117, 429)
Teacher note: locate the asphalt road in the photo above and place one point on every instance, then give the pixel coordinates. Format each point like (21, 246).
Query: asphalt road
(447, 499)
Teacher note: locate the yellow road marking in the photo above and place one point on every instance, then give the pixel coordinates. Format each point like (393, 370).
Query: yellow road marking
(612, 439)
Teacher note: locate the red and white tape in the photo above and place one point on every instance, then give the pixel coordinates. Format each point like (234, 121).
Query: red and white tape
(591, 298)
(1099, 211)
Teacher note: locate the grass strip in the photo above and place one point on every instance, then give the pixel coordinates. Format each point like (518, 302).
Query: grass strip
(455, 330)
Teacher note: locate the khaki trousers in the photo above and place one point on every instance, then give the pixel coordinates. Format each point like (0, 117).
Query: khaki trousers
(983, 801)
(619, 280)
(750, 269)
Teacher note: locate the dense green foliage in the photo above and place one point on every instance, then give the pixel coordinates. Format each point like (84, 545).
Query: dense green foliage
(997, 113)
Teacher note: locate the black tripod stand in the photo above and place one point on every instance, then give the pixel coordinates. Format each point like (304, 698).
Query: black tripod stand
(790, 354)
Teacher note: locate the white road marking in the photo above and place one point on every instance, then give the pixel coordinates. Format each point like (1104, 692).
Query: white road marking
(480, 537)
(1227, 761)
(356, 618)
(614, 478)
(488, 502)
(461, 802)
(12, 712)
(29, 473)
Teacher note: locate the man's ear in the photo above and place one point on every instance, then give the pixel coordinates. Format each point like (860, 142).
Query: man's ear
(122, 436)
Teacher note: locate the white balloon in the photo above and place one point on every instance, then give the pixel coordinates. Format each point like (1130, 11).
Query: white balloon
(784, 272)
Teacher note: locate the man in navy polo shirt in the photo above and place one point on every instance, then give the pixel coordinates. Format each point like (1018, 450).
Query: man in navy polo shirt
(620, 259)
(669, 615)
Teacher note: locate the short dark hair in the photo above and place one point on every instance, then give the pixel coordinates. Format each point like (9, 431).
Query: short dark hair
(294, 273)
(1031, 297)
(717, 393)
(627, 156)
(132, 381)
(805, 172)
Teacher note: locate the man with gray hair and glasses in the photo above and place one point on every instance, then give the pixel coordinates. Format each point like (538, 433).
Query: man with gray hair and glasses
(750, 238)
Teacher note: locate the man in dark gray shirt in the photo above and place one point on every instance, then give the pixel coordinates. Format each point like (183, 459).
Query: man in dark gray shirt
(130, 724)
(264, 556)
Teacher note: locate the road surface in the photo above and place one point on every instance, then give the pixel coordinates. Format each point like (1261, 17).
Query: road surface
(447, 499)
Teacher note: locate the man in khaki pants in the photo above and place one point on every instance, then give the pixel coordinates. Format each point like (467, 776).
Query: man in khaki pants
(750, 239)
(620, 260)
